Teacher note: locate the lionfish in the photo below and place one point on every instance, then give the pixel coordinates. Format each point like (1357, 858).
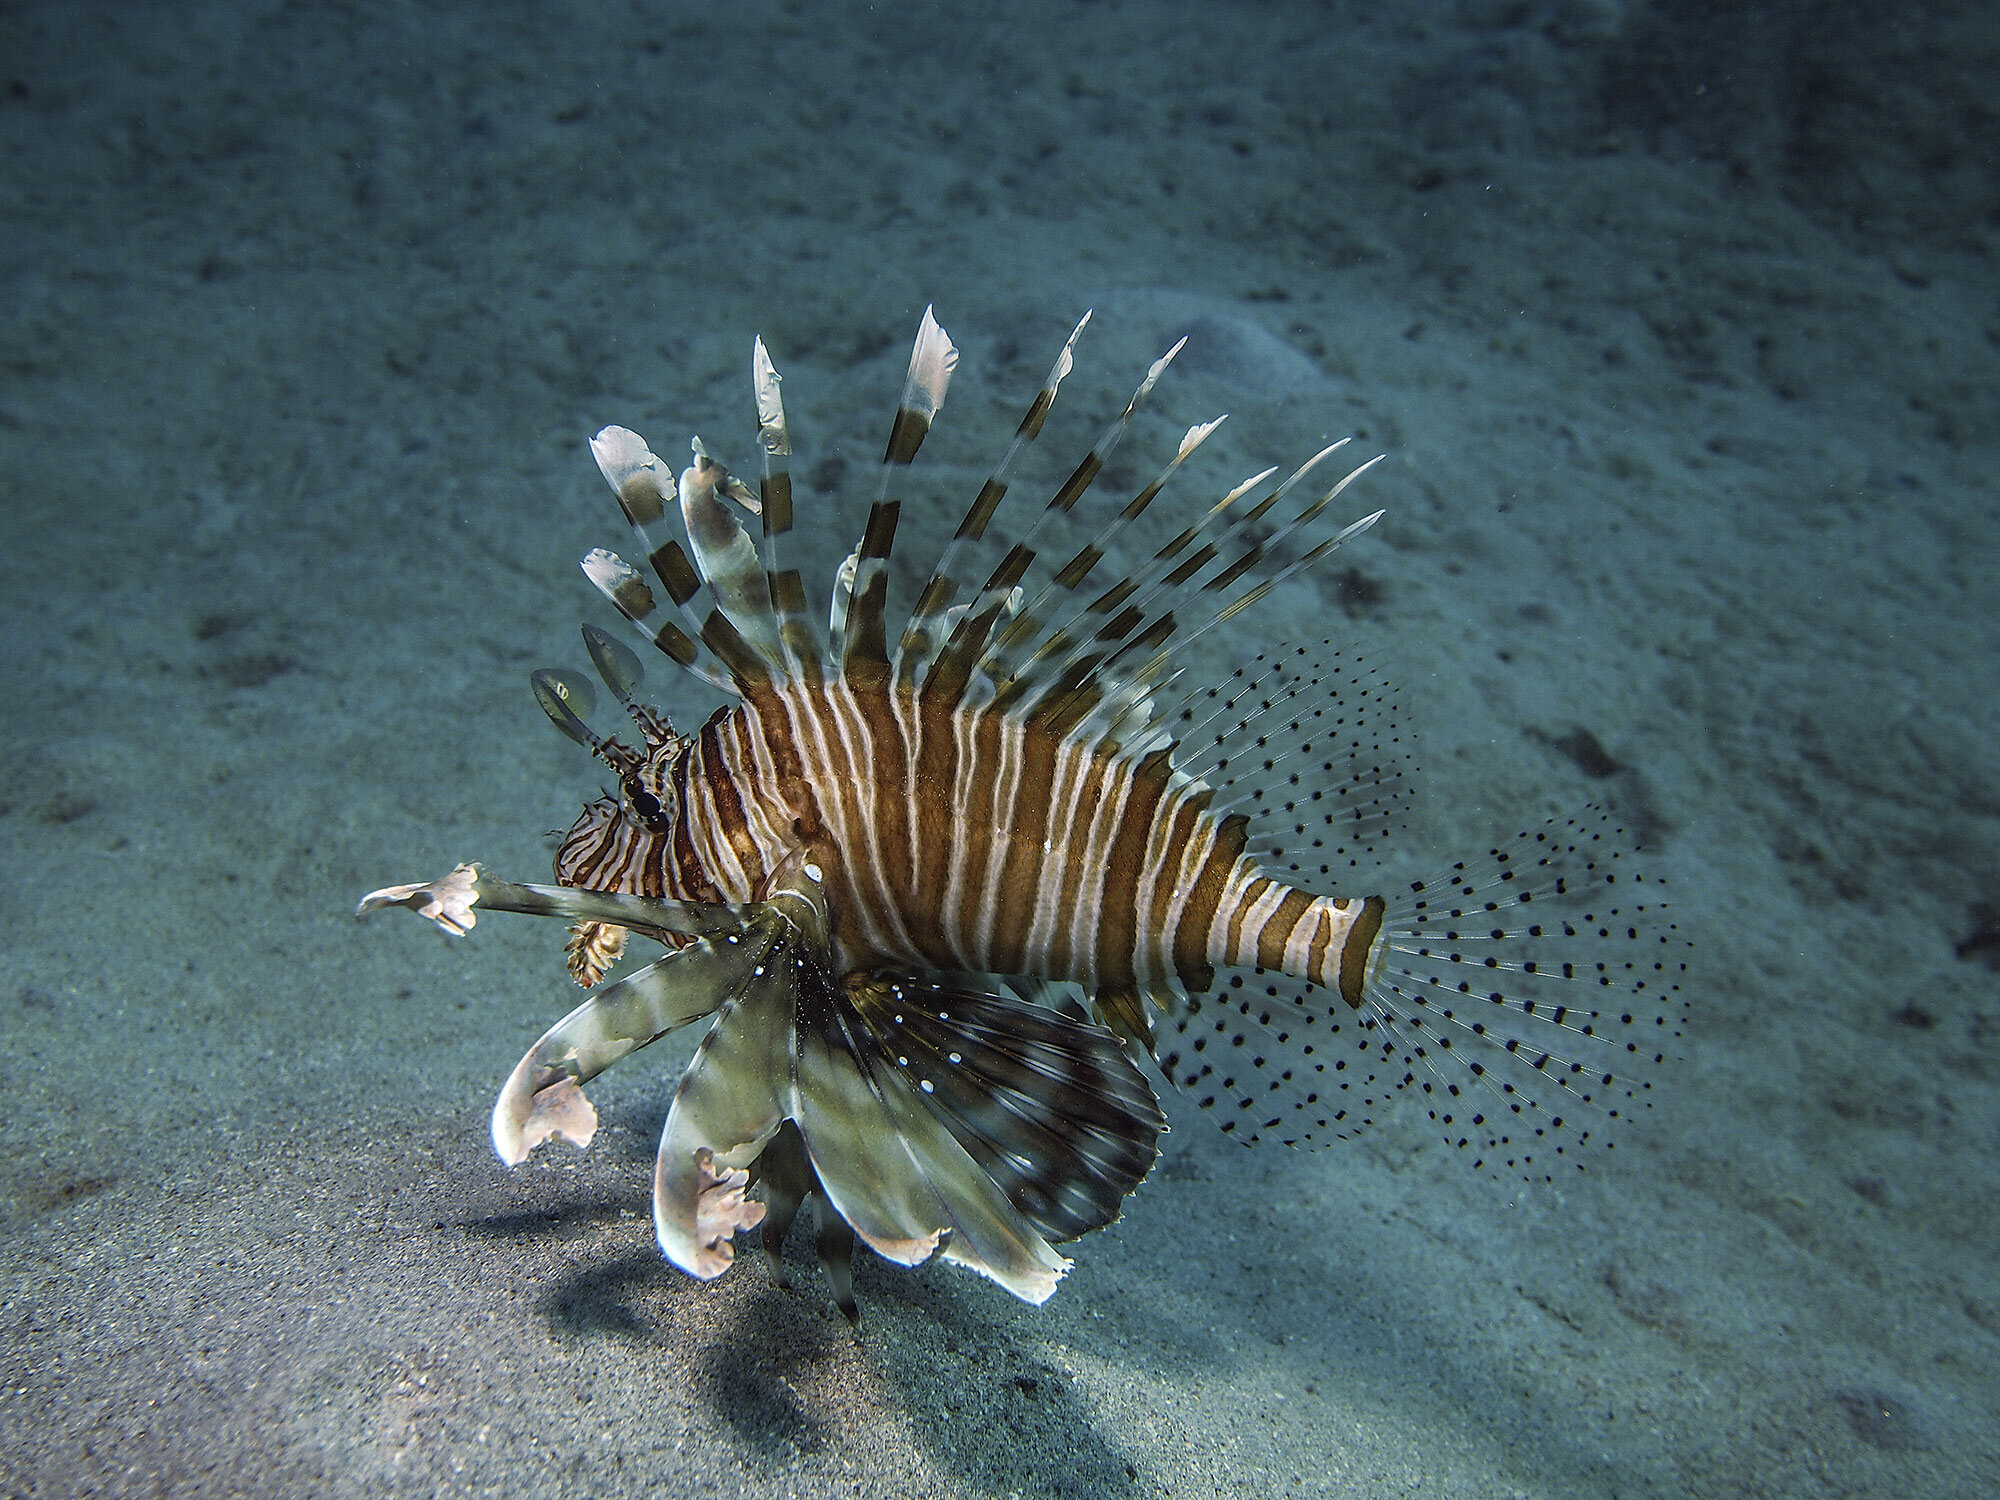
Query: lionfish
(890, 876)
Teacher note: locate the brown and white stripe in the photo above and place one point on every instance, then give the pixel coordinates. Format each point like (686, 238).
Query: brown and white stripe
(971, 841)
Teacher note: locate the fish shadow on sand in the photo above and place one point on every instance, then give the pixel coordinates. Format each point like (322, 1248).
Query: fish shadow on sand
(940, 1358)
(983, 1399)
(600, 1299)
(561, 1221)
(964, 1385)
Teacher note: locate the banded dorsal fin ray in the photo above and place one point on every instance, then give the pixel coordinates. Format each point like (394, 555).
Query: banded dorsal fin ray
(619, 582)
(1093, 677)
(1109, 620)
(922, 637)
(1033, 618)
(1166, 639)
(952, 671)
(1069, 667)
(796, 632)
(1060, 642)
(741, 628)
(729, 560)
(638, 477)
(863, 642)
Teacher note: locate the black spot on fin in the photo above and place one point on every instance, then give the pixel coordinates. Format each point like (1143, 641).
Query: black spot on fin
(1308, 742)
(1534, 991)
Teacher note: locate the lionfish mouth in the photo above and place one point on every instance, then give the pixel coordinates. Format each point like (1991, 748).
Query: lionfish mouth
(1034, 798)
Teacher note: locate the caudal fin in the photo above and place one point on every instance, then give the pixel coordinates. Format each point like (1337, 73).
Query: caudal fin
(1532, 992)
(1526, 996)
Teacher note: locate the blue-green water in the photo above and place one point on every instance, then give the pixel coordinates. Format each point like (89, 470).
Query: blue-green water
(1678, 327)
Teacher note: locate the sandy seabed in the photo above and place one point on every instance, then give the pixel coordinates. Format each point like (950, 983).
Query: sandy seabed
(1684, 342)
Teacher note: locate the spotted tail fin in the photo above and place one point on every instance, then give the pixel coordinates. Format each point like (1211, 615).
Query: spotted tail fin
(1533, 990)
(1525, 996)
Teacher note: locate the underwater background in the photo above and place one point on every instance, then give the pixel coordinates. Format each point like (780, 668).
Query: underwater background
(1680, 324)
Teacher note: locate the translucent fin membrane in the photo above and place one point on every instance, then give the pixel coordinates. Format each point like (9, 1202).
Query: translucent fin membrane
(1270, 1057)
(568, 699)
(1308, 741)
(1534, 990)
(1526, 997)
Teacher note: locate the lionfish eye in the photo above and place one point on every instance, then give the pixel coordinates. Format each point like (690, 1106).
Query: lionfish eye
(645, 806)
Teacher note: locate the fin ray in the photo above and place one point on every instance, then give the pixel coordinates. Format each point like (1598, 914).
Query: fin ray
(863, 636)
(1002, 659)
(803, 658)
(1307, 741)
(1522, 996)
(730, 563)
(952, 671)
(1096, 668)
(892, 1168)
(922, 636)
(730, 1102)
(669, 993)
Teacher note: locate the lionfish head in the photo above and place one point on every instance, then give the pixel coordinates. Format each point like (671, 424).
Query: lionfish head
(646, 783)
(646, 778)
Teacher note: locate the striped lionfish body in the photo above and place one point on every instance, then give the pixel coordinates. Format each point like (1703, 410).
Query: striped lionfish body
(959, 839)
(883, 868)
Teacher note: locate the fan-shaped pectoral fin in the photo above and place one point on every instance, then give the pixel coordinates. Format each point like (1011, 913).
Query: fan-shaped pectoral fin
(543, 1097)
(730, 1103)
(784, 1181)
(1051, 1107)
(889, 1164)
